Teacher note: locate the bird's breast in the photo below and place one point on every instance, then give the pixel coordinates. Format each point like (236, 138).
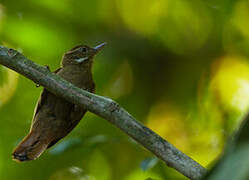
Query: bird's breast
(81, 78)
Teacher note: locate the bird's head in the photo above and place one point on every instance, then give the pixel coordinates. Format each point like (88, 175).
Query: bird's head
(81, 54)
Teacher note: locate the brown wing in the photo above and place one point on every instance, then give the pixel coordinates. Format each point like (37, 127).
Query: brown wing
(71, 114)
(42, 99)
(76, 114)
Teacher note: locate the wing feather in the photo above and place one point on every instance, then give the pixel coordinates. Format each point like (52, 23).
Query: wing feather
(42, 99)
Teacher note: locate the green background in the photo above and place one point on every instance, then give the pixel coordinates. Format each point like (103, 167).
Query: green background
(180, 67)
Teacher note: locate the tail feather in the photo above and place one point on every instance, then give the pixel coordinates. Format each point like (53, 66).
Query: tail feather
(30, 148)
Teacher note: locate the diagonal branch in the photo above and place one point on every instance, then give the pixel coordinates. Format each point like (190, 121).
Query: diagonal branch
(105, 108)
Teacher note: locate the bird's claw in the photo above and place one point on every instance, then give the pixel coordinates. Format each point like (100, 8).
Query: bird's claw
(48, 68)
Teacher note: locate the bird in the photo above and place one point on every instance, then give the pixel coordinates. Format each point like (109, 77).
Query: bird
(55, 117)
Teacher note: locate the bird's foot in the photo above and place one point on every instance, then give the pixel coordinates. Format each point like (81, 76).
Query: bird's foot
(48, 68)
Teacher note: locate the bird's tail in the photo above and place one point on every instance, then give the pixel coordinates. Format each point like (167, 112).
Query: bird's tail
(30, 148)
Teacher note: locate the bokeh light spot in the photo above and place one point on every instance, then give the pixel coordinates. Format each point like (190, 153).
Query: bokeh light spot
(71, 173)
(166, 120)
(186, 26)
(231, 83)
(142, 17)
(121, 83)
(8, 85)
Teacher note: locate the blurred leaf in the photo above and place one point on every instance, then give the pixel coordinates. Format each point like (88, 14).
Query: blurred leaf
(72, 173)
(149, 163)
(37, 36)
(230, 82)
(2, 74)
(183, 26)
(236, 34)
(99, 167)
(96, 139)
(144, 19)
(1, 161)
(8, 84)
(2, 14)
(108, 13)
(54, 5)
(234, 167)
(65, 144)
(121, 83)
(142, 175)
(186, 26)
(165, 119)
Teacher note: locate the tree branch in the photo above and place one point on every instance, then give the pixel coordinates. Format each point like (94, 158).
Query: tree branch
(105, 108)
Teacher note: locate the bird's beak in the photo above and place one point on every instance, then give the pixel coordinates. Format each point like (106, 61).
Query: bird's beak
(99, 47)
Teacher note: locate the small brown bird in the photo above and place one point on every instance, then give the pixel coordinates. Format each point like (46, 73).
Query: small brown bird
(55, 117)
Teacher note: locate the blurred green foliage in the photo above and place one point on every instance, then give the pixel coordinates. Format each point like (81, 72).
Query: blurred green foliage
(181, 67)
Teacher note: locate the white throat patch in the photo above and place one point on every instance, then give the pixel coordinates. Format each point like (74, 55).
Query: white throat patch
(80, 60)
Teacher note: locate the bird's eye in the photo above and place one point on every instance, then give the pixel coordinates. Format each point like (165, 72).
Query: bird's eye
(83, 49)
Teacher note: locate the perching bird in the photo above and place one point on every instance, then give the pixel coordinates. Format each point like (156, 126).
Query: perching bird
(55, 117)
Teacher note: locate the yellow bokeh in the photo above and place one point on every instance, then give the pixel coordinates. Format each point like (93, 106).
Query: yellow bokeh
(230, 83)
(180, 25)
(200, 140)
(166, 120)
(142, 17)
(8, 88)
